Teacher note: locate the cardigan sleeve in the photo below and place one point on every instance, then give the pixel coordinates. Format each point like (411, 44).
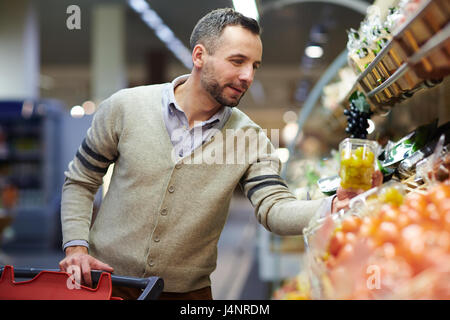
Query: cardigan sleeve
(85, 172)
(276, 208)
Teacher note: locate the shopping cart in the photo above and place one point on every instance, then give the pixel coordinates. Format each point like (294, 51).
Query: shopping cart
(52, 284)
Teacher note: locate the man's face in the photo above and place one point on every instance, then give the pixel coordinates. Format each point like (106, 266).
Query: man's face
(228, 72)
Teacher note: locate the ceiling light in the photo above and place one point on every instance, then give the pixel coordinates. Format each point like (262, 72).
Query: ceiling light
(162, 31)
(314, 51)
(77, 112)
(247, 7)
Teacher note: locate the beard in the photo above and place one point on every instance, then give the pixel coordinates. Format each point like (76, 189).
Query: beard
(212, 86)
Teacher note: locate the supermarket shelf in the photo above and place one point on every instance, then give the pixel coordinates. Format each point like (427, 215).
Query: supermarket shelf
(30, 160)
(396, 72)
(435, 42)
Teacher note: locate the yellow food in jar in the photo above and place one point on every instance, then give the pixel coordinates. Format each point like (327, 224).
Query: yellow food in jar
(357, 168)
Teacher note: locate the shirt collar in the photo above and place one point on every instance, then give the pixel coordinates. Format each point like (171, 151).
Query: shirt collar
(172, 103)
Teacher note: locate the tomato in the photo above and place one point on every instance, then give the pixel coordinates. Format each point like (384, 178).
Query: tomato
(336, 243)
(331, 262)
(351, 224)
(347, 251)
(412, 232)
(413, 246)
(389, 213)
(443, 241)
(371, 244)
(369, 226)
(413, 215)
(366, 230)
(444, 206)
(350, 237)
(389, 250)
(416, 201)
(447, 218)
(387, 232)
(439, 193)
(431, 213)
(403, 219)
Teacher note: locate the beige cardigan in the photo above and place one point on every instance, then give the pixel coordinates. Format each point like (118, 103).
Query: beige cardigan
(161, 217)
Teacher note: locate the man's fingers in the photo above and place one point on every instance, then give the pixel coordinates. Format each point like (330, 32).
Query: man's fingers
(377, 178)
(98, 265)
(86, 272)
(339, 204)
(342, 204)
(343, 194)
(84, 264)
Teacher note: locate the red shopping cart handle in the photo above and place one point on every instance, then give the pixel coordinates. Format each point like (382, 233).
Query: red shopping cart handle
(152, 286)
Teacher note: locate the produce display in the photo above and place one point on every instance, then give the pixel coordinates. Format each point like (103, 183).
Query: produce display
(366, 42)
(375, 32)
(389, 244)
(441, 169)
(297, 288)
(392, 247)
(392, 241)
(414, 150)
(396, 56)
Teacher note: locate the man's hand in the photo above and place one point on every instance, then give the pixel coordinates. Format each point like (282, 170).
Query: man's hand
(77, 258)
(343, 196)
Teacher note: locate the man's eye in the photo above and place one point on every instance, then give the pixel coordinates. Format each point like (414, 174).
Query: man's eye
(237, 62)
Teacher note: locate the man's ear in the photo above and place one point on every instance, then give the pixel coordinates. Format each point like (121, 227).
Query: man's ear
(198, 55)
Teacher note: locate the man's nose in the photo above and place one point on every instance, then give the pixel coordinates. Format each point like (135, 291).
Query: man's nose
(247, 74)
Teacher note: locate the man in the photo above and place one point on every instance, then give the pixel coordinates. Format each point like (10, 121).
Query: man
(165, 210)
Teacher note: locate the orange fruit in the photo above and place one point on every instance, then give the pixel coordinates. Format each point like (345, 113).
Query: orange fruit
(389, 213)
(431, 213)
(439, 193)
(347, 251)
(336, 243)
(351, 224)
(350, 237)
(387, 232)
(389, 250)
(416, 201)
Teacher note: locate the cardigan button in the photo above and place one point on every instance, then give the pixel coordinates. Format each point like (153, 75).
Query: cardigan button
(156, 239)
(178, 166)
(164, 211)
(171, 189)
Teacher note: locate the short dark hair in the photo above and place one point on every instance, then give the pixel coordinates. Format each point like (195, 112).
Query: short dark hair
(208, 29)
